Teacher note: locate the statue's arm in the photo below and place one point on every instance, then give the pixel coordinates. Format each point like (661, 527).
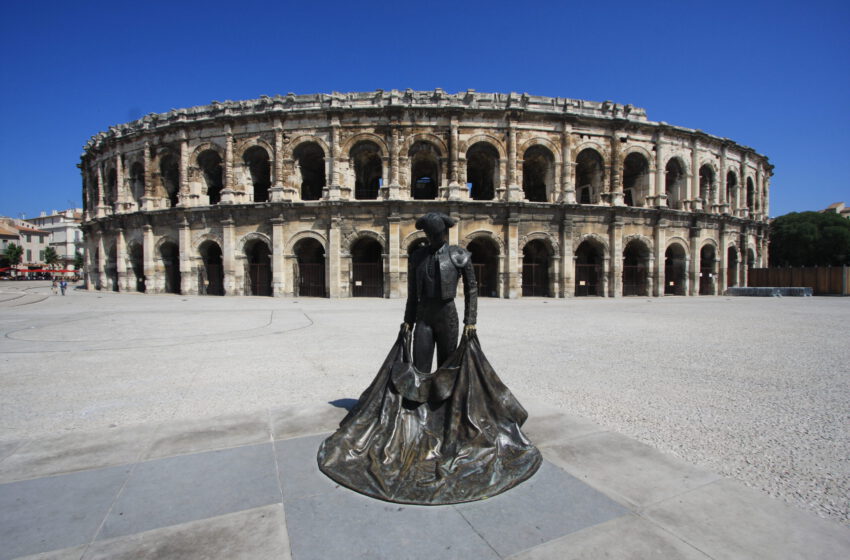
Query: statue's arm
(410, 306)
(470, 293)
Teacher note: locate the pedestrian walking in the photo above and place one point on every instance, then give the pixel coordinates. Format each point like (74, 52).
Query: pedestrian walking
(63, 285)
(55, 286)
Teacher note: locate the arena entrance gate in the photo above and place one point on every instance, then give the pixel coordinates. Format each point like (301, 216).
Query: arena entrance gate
(170, 255)
(259, 270)
(310, 268)
(211, 274)
(674, 270)
(588, 269)
(367, 269)
(485, 262)
(137, 265)
(706, 271)
(635, 268)
(535, 269)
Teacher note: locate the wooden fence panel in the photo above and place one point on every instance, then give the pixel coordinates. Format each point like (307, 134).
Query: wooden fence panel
(827, 280)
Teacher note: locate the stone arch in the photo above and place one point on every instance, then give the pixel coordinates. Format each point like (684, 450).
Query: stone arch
(637, 259)
(257, 162)
(310, 163)
(487, 139)
(708, 258)
(352, 141)
(675, 181)
(590, 174)
(439, 143)
(636, 149)
(548, 240)
(245, 144)
(539, 172)
(541, 141)
(425, 164)
(680, 241)
(163, 240)
(203, 147)
(306, 234)
(252, 236)
(639, 237)
(303, 139)
(676, 267)
(135, 260)
(636, 168)
(595, 238)
(682, 160)
(199, 240)
(590, 144)
(410, 240)
(352, 239)
(497, 239)
(367, 250)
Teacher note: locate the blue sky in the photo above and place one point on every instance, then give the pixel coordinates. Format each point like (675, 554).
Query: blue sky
(771, 75)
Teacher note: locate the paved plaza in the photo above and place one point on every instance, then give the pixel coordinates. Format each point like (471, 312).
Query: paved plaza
(169, 426)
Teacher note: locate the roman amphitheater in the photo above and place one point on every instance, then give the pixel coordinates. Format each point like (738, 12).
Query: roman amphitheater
(316, 195)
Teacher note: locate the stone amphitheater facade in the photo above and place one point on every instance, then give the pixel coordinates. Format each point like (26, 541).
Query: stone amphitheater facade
(316, 195)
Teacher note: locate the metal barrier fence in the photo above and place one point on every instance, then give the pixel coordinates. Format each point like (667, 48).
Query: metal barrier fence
(827, 280)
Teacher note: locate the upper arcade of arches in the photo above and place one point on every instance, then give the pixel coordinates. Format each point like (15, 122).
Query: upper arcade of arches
(412, 145)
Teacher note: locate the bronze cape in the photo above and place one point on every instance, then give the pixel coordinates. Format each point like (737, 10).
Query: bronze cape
(448, 437)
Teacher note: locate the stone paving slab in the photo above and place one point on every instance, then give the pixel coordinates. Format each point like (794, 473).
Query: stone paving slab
(597, 495)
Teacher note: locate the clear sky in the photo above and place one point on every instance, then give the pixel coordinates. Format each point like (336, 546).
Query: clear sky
(771, 75)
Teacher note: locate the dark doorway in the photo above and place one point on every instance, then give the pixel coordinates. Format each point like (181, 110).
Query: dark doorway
(112, 268)
(589, 258)
(211, 274)
(635, 268)
(590, 176)
(256, 159)
(635, 179)
(170, 174)
(368, 170)
(259, 261)
(137, 265)
(538, 173)
(310, 159)
(424, 171)
(310, 268)
(706, 271)
(675, 270)
(731, 267)
(535, 269)
(367, 269)
(170, 255)
(485, 261)
(210, 164)
(482, 162)
(674, 182)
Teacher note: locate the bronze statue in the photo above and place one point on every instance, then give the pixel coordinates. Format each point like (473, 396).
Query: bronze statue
(433, 438)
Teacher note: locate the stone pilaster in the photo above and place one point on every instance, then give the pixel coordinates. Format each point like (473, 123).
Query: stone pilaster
(121, 262)
(514, 190)
(694, 276)
(567, 258)
(514, 257)
(149, 267)
(568, 180)
(333, 189)
(334, 258)
(615, 242)
(277, 260)
(394, 254)
(660, 198)
(615, 176)
(184, 196)
(228, 255)
(101, 261)
(228, 193)
(184, 239)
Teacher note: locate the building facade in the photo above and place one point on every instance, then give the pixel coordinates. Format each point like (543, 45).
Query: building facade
(318, 195)
(31, 239)
(66, 235)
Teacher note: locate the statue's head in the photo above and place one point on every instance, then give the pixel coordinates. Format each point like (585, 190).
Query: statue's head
(435, 225)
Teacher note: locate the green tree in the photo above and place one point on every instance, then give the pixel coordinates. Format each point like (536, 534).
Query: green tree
(809, 239)
(79, 261)
(13, 254)
(51, 257)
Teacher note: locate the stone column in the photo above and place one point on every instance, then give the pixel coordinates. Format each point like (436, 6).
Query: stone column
(101, 261)
(89, 265)
(615, 242)
(693, 183)
(660, 175)
(721, 183)
(514, 257)
(290, 281)
(121, 261)
(148, 202)
(121, 191)
(277, 192)
(393, 189)
(278, 284)
(616, 172)
(228, 193)
(148, 249)
(759, 202)
(228, 255)
(184, 196)
(659, 233)
(187, 280)
(333, 188)
(743, 210)
(394, 252)
(456, 190)
(568, 180)
(567, 259)
(333, 260)
(693, 288)
(102, 209)
(514, 192)
(723, 274)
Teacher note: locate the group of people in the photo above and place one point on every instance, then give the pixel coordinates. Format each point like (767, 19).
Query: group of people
(60, 285)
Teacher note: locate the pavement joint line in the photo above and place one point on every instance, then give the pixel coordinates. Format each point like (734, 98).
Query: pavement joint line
(474, 530)
(111, 507)
(682, 493)
(278, 478)
(679, 538)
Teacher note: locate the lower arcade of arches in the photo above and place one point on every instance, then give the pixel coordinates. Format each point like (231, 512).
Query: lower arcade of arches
(513, 256)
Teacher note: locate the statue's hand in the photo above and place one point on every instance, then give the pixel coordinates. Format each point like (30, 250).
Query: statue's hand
(405, 327)
(469, 330)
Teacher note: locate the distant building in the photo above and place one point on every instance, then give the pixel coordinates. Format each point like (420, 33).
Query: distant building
(66, 237)
(33, 241)
(837, 208)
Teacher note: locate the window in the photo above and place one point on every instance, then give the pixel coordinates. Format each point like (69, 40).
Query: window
(29, 254)
(29, 238)
(41, 255)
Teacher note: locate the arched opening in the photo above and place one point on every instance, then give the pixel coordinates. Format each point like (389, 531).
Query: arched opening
(112, 269)
(635, 179)
(211, 274)
(675, 270)
(731, 187)
(424, 171)
(485, 262)
(535, 269)
(538, 173)
(310, 161)
(731, 267)
(256, 159)
(210, 164)
(751, 259)
(258, 268)
(636, 268)
(590, 176)
(706, 270)
(170, 173)
(170, 255)
(706, 184)
(310, 268)
(137, 181)
(137, 266)
(674, 182)
(589, 258)
(368, 170)
(751, 194)
(111, 187)
(367, 268)
(482, 163)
